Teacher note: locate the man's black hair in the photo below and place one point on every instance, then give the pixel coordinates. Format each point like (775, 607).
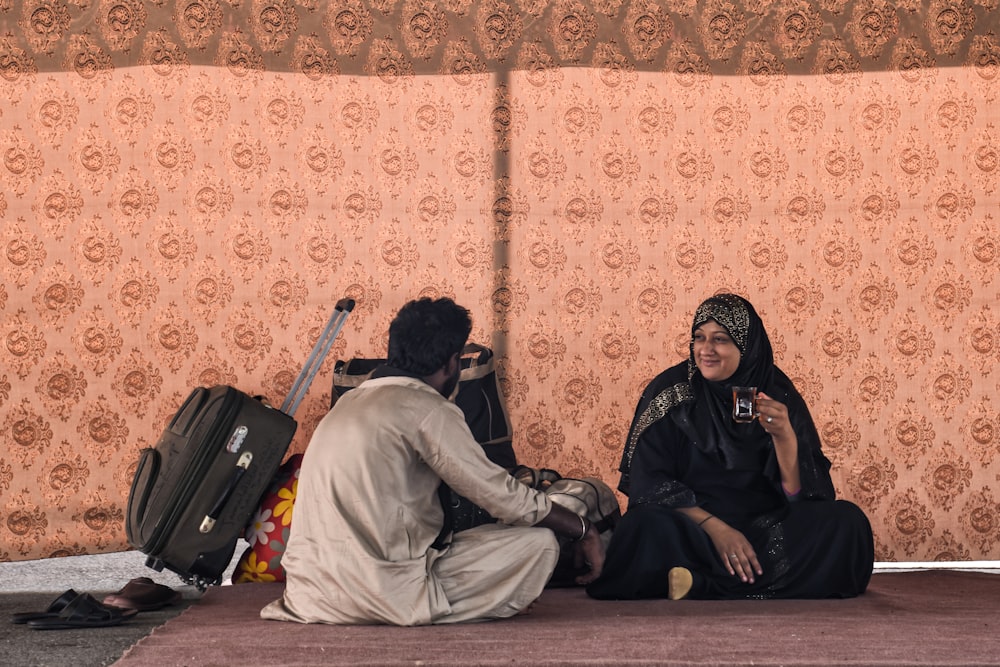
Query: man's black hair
(426, 333)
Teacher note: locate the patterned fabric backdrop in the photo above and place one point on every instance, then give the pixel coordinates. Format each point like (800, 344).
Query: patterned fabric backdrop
(189, 185)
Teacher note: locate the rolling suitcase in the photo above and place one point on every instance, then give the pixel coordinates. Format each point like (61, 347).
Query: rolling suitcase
(195, 491)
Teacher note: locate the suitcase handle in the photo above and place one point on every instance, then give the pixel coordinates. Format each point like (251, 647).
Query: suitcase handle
(208, 523)
(301, 385)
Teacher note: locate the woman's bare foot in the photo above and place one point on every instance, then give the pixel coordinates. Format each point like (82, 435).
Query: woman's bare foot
(679, 582)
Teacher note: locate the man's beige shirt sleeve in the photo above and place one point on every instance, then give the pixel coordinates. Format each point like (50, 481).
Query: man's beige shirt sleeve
(447, 445)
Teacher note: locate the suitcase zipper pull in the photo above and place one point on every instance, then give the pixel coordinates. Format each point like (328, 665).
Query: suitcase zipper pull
(208, 523)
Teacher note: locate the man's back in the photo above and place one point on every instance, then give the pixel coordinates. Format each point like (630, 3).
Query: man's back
(367, 509)
(365, 461)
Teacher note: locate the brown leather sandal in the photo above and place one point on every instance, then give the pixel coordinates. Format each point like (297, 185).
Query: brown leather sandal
(143, 594)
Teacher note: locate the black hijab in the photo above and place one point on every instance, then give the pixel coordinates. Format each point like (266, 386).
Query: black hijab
(738, 445)
(702, 408)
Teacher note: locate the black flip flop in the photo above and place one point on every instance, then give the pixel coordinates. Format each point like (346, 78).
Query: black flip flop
(52, 611)
(83, 612)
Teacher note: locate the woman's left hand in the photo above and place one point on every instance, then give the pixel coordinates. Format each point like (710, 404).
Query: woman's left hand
(734, 549)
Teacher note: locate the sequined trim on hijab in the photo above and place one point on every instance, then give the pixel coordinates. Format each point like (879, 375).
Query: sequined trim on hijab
(731, 312)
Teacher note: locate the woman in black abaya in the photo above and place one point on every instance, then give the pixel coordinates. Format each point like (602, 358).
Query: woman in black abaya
(725, 510)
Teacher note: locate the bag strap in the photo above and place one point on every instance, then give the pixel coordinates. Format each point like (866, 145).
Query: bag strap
(480, 365)
(607, 521)
(536, 478)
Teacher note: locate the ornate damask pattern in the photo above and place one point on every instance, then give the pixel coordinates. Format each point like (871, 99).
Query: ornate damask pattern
(188, 186)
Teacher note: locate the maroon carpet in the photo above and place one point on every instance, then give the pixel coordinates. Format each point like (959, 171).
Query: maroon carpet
(910, 618)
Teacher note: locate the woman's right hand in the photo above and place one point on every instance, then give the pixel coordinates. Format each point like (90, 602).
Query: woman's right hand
(734, 549)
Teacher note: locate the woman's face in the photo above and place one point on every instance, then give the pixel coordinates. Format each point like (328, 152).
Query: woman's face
(715, 353)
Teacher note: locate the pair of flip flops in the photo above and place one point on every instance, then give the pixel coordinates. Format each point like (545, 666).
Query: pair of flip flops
(74, 610)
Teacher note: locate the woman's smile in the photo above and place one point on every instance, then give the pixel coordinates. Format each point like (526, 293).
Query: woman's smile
(715, 352)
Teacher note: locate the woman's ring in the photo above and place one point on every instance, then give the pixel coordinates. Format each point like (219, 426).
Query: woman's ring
(770, 419)
(733, 556)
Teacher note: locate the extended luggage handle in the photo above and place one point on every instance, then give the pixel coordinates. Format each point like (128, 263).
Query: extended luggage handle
(301, 385)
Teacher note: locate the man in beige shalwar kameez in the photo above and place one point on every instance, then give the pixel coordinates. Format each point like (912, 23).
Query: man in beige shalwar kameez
(366, 540)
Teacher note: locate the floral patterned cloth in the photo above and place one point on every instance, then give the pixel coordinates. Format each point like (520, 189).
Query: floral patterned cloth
(268, 532)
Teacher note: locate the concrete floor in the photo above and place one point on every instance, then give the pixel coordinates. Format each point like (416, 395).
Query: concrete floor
(33, 585)
(103, 572)
(109, 572)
